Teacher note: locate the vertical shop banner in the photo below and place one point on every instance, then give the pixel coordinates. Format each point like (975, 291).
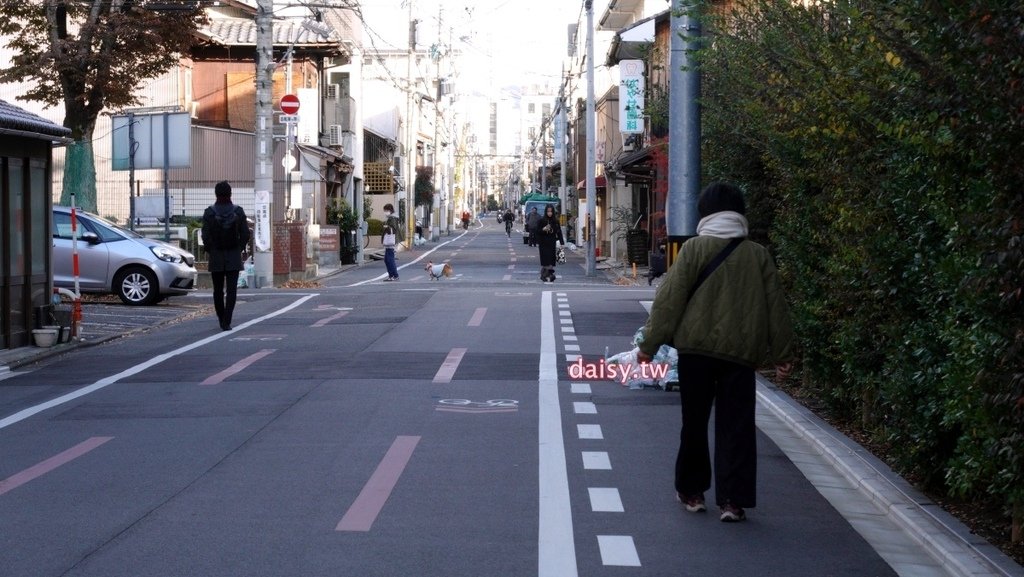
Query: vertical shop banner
(559, 137)
(631, 96)
(261, 239)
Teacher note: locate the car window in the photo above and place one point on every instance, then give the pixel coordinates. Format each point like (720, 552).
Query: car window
(62, 228)
(106, 233)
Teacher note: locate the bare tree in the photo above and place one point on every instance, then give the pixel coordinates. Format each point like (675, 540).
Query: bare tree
(91, 55)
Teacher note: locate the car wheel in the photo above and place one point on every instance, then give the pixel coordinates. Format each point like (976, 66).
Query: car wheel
(137, 286)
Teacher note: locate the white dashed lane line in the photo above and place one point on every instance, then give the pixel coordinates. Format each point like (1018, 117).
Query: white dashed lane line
(616, 550)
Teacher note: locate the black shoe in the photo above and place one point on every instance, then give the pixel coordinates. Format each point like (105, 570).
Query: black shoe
(732, 514)
(693, 503)
(225, 326)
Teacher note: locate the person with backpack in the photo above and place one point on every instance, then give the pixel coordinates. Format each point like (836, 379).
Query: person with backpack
(225, 235)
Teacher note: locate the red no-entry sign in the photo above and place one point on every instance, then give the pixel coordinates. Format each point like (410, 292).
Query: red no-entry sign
(289, 104)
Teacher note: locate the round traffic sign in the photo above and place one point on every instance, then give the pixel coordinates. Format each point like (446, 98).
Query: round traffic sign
(289, 104)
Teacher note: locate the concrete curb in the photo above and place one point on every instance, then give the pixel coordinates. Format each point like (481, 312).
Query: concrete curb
(944, 537)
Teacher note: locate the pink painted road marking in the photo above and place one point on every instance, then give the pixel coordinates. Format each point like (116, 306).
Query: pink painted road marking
(449, 366)
(236, 368)
(35, 471)
(368, 505)
(323, 322)
(478, 317)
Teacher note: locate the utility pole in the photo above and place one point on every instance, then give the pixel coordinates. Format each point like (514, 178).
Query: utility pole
(560, 134)
(684, 135)
(591, 146)
(263, 259)
(437, 184)
(543, 160)
(410, 137)
(560, 148)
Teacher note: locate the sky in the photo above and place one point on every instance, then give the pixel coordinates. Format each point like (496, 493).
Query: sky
(503, 42)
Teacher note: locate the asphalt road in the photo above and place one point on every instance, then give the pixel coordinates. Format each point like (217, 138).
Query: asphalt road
(425, 428)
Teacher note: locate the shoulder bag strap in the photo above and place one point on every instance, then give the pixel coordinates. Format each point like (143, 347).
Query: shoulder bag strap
(714, 264)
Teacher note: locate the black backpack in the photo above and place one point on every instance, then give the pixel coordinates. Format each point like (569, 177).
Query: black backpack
(224, 230)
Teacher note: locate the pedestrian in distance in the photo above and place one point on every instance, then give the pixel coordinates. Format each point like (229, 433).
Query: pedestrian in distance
(531, 226)
(225, 235)
(549, 232)
(722, 307)
(391, 235)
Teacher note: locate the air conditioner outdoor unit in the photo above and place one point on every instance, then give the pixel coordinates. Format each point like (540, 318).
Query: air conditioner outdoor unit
(333, 91)
(335, 135)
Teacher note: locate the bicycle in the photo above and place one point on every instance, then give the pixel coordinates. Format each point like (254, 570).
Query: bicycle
(508, 228)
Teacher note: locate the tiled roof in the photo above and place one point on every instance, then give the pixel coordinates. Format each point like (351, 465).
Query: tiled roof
(242, 32)
(16, 118)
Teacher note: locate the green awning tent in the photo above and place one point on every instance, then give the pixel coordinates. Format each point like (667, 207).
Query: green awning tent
(538, 196)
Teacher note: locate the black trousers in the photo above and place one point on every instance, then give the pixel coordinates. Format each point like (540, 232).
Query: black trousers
(223, 303)
(729, 387)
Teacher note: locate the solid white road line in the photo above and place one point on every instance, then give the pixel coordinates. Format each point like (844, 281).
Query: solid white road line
(103, 383)
(556, 548)
(381, 277)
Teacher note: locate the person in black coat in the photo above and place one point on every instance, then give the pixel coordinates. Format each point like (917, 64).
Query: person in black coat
(225, 235)
(548, 233)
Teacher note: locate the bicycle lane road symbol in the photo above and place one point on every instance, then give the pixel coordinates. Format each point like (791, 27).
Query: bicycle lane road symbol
(468, 406)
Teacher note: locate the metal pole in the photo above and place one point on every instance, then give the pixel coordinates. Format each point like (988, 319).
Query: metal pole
(289, 135)
(543, 162)
(131, 171)
(684, 136)
(591, 146)
(410, 138)
(263, 258)
(565, 153)
(167, 181)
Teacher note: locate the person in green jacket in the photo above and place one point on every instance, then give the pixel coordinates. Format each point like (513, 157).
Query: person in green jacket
(732, 323)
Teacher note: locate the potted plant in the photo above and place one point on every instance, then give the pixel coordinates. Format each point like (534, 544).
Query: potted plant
(341, 213)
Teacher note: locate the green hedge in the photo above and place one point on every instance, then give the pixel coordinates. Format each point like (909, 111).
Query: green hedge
(374, 227)
(879, 144)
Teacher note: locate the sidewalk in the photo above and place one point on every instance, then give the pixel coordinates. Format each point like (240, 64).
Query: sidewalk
(891, 515)
(915, 535)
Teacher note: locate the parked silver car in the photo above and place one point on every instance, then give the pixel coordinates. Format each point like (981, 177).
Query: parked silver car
(112, 259)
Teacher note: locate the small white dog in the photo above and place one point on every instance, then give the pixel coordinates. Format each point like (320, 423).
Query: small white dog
(438, 270)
